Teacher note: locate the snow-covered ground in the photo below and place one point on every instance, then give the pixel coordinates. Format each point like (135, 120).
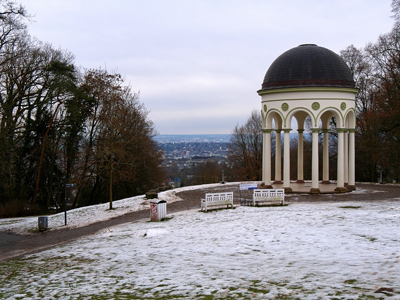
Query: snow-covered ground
(91, 214)
(336, 250)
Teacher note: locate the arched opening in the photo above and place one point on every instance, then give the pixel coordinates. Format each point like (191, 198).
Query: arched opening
(272, 122)
(277, 163)
(303, 118)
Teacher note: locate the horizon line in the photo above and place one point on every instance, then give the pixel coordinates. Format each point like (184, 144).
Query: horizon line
(193, 134)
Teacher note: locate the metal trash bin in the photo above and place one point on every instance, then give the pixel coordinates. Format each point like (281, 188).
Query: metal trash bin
(43, 223)
(158, 210)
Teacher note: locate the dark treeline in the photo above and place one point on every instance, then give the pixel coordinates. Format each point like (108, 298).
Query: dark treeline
(60, 124)
(376, 71)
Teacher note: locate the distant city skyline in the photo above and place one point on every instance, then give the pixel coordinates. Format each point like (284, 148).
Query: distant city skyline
(192, 137)
(198, 64)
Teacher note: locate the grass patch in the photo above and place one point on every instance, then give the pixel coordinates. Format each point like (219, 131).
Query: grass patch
(9, 222)
(365, 297)
(295, 287)
(255, 281)
(162, 220)
(350, 206)
(270, 205)
(286, 297)
(371, 239)
(36, 230)
(350, 281)
(207, 297)
(216, 209)
(281, 284)
(258, 291)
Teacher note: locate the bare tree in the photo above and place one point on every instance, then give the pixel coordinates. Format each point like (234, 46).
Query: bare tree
(119, 151)
(360, 66)
(245, 149)
(208, 172)
(396, 13)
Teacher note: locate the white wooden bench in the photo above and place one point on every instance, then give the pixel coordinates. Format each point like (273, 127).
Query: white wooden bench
(217, 199)
(269, 195)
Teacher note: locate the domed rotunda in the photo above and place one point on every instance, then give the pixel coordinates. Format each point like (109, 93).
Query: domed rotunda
(309, 81)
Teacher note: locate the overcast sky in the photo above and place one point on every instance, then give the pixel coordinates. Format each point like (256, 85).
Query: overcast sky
(199, 63)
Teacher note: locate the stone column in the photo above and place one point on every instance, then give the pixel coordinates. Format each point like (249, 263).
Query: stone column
(340, 162)
(315, 171)
(325, 157)
(346, 158)
(300, 159)
(266, 166)
(352, 175)
(286, 160)
(278, 157)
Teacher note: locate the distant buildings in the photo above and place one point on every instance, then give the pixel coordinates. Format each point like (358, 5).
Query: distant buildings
(191, 150)
(186, 154)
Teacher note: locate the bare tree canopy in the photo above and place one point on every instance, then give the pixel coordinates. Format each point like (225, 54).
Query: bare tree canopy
(396, 12)
(376, 70)
(245, 150)
(58, 125)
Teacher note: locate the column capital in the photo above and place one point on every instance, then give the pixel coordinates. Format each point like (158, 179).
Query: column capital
(352, 130)
(315, 130)
(278, 129)
(300, 130)
(287, 130)
(341, 130)
(325, 130)
(266, 130)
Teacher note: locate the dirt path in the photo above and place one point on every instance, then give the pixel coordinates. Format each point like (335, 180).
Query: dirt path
(13, 246)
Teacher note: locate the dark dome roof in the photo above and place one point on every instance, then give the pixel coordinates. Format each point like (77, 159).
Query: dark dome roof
(308, 65)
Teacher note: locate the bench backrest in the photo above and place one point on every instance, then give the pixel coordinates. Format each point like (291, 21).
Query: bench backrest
(219, 196)
(265, 193)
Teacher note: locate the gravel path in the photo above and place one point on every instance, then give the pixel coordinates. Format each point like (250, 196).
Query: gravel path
(13, 246)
